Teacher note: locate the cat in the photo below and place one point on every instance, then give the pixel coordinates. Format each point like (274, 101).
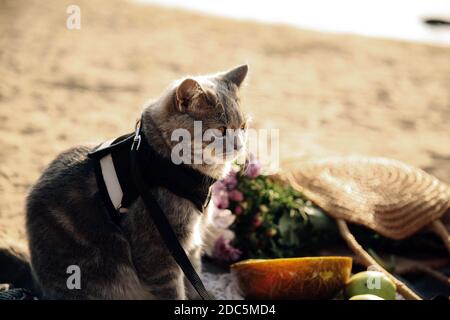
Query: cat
(67, 223)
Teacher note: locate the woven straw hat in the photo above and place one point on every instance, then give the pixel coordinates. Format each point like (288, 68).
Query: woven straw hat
(385, 195)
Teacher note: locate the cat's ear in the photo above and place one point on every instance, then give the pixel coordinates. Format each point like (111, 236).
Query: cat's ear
(187, 94)
(237, 75)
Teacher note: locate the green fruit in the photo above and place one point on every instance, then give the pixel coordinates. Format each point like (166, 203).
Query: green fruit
(370, 282)
(366, 297)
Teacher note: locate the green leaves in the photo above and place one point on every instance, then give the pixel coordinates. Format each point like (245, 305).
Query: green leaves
(287, 224)
(284, 225)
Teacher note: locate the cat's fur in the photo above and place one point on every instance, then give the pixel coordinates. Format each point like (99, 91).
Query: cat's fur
(68, 225)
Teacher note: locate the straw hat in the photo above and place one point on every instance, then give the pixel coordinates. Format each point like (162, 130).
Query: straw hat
(385, 195)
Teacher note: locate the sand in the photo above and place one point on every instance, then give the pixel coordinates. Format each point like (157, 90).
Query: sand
(328, 94)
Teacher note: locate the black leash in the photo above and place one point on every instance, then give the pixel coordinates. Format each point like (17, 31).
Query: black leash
(161, 222)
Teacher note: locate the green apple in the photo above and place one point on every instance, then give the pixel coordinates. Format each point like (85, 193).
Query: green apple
(366, 297)
(370, 282)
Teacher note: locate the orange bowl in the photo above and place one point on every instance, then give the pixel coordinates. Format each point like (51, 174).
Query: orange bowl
(308, 278)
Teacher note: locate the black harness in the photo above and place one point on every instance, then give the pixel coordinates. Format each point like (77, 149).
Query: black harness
(127, 168)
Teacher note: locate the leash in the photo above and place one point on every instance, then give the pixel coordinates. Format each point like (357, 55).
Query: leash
(162, 223)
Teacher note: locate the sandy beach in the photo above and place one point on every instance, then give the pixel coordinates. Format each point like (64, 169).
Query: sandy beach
(328, 94)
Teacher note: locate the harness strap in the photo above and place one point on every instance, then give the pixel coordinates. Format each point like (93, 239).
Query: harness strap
(162, 223)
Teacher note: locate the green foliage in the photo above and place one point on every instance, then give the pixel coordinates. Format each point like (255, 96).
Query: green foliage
(277, 221)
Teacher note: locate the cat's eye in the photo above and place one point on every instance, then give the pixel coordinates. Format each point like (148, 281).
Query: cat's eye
(223, 131)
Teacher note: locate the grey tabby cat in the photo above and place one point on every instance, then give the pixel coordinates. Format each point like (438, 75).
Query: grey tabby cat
(67, 223)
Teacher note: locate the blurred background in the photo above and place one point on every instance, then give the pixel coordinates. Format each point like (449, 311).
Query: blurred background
(398, 19)
(336, 77)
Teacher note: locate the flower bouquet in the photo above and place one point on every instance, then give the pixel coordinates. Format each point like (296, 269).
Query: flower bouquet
(263, 217)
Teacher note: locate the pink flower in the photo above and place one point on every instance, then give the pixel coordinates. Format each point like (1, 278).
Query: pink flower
(257, 221)
(230, 181)
(218, 187)
(238, 210)
(220, 195)
(253, 167)
(224, 251)
(236, 195)
(220, 199)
